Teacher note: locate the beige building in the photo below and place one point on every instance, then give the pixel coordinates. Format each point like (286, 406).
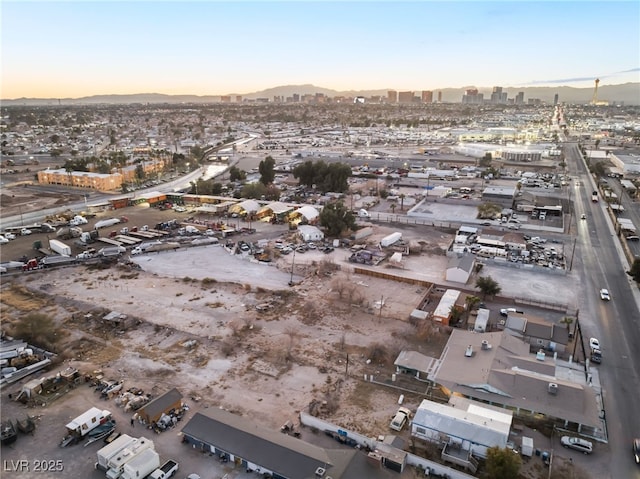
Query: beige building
(81, 179)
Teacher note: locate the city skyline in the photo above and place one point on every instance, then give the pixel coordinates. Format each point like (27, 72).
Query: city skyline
(75, 49)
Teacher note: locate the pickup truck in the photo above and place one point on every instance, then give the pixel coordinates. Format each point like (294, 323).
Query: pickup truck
(168, 469)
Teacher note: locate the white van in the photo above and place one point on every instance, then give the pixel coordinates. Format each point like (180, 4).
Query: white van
(400, 419)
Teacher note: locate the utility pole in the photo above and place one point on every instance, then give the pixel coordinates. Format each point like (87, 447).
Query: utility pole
(573, 252)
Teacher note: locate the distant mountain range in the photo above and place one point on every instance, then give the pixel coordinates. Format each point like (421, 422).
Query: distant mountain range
(627, 93)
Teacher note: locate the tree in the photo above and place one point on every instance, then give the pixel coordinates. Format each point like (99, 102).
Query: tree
(139, 173)
(634, 272)
(455, 315)
(488, 286)
(488, 210)
(502, 463)
(267, 173)
(336, 218)
(36, 328)
(236, 174)
(471, 301)
(597, 144)
(402, 197)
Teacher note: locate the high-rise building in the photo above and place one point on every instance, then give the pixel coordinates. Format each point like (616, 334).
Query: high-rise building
(392, 96)
(439, 97)
(498, 96)
(520, 98)
(238, 98)
(225, 99)
(296, 97)
(405, 97)
(555, 99)
(427, 96)
(471, 96)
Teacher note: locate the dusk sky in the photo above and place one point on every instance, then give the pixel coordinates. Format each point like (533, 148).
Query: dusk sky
(80, 48)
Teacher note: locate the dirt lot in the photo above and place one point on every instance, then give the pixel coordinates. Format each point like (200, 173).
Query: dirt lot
(229, 333)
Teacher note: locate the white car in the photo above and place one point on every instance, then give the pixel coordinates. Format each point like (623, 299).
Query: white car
(604, 295)
(25, 232)
(10, 236)
(3, 240)
(594, 343)
(576, 443)
(400, 419)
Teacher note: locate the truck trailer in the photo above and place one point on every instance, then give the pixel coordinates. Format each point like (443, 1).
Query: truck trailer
(59, 247)
(83, 424)
(142, 465)
(106, 223)
(49, 261)
(112, 251)
(116, 464)
(155, 247)
(111, 450)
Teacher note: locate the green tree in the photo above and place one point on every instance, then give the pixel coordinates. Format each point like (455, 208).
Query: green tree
(634, 272)
(455, 315)
(236, 174)
(336, 218)
(139, 173)
(502, 463)
(485, 161)
(488, 286)
(254, 191)
(266, 169)
(470, 302)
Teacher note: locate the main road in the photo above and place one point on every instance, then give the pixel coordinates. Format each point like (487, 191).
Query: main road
(616, 323)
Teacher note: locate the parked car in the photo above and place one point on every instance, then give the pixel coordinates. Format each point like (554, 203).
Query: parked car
(505, 312)
(594, 343)
(10, 236)
(576, 443)
(604, 295)
(3, 240)
(633, 238)
(25, 232)
(400, 419)
(636, 450)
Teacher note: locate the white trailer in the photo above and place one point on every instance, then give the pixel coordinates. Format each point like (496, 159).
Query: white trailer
(391, 239)
(106, 223)
(142, 465)
(59, 247)
(116, 464)
(87, 421)
(109, 451)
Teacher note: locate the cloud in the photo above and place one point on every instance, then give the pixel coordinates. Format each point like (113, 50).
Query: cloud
(630, 71)
(566, 80)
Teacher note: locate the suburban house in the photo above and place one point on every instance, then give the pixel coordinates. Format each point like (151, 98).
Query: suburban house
(538, 332)
(499, 369)
(460, 268)
(463, 428)
(414, 363)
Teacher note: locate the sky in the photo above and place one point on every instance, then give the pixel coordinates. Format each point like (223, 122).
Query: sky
(72, 49)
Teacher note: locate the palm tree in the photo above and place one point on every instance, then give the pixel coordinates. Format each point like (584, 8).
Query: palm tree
(393, 207)
(471, 301)
(402, 201)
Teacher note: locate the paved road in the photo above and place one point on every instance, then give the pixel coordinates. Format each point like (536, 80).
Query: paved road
(616, 323)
